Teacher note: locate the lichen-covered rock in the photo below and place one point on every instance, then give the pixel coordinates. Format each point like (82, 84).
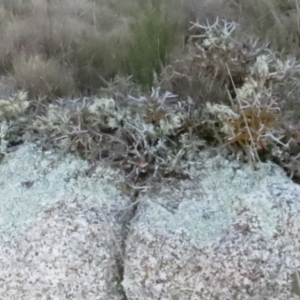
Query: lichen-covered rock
(61, 231)
(230, 232)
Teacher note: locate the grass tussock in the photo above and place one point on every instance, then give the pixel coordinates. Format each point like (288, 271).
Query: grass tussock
(44, 77)
(150, 46)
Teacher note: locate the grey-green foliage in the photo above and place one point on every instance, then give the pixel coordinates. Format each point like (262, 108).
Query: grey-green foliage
(140, 137)
(14, 106)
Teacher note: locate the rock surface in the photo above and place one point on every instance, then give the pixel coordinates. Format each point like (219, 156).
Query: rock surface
(60, 230)
(229, 232)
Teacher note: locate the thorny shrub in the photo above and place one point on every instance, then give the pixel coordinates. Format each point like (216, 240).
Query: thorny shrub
(159, 134)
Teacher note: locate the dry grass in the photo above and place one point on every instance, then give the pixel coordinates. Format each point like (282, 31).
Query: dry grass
(44, 77)
(276, 21)
(93, 41)
(90, 40)
(67, 32)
